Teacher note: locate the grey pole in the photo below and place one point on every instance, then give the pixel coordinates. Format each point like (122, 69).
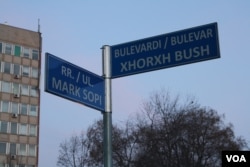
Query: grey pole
(107, 115)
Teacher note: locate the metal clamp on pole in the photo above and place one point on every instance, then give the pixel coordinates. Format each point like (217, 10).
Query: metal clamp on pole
(107, 115)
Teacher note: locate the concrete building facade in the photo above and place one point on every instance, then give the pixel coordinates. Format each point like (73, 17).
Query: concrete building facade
(20, 67)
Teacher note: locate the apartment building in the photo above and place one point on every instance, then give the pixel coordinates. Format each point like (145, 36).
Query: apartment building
(20, 66)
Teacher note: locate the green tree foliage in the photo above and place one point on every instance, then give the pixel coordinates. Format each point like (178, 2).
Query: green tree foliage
(164, 134)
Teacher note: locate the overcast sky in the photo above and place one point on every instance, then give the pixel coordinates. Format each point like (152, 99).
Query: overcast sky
(76, 30)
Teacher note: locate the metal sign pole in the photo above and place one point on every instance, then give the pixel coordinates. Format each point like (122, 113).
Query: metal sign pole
(107, 115)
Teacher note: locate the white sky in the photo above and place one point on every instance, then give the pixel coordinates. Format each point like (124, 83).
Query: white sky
(76, 31)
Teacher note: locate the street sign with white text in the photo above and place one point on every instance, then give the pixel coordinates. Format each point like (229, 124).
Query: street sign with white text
(74, 83)
(165, 51)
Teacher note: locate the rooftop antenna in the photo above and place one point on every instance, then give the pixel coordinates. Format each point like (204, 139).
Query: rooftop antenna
(38, 25)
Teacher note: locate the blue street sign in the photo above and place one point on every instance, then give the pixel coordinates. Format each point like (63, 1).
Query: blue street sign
(165, 51)
(74, 83)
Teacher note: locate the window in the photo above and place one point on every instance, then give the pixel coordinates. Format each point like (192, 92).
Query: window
(35, 55)
(16, 69)
(24, 109)
(1, 45)
(17, 51)
(29, 166)
(26, 71)
(23, 129)
(5, 87)
(13, 129)
(33, 91)
(22, 149)
(6, 67)
(2, 164)
(32, 130)
(8, 49)
(25, 90)
(32, 150)
(13, 148)
(26, 52)
(16, 88)
(3, 126)
(5, 106)
(34, 73)
(14, 108)
(33, 110)
(2, 148)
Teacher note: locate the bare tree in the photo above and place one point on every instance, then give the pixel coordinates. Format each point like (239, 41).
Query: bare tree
(95, 141)
(74, 152)
(172, 134)
(123, 144)
(168, 132)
